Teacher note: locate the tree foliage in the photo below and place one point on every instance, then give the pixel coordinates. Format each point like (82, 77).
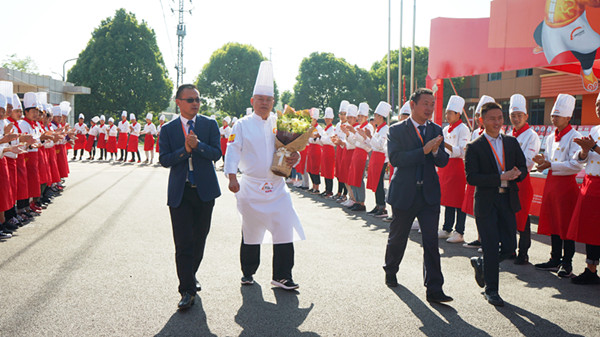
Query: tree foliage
(26, 65)
(286, 97)
(325, 80)
(124, 68)
(226, 82)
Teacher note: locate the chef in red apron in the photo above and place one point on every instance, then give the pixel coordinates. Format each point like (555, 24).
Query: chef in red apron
(340, 150)
(7, 200)
(584, 222)
(161, 122)
(349, 145)
(328, 152)
(102, 137)
(530, 144)
(29, 126)
(379, 159)
(123, 127)
(22, 189)
(111, 143)
(561, 190)
(453, 180)
(356, 172)
(149, 132)
(80, 132)
(134, 135)
(313, 164)
(225, 131)
(93, 132)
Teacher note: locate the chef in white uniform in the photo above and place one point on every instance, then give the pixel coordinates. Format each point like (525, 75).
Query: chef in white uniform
(263, 199)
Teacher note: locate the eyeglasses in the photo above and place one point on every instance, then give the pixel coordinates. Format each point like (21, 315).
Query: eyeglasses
(190, 100)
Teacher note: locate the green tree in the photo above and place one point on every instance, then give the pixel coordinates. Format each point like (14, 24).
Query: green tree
(26, 65)
(325, 80)
(286, 97)
(226, 82)
(124, 68)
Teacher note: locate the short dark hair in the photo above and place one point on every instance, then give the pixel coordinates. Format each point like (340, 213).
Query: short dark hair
(417, 94)
(182, 88)
(489, 106)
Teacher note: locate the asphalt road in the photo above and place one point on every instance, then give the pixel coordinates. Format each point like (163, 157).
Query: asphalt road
(100, 262)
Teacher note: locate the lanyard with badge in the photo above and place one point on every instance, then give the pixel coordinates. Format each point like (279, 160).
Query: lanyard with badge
(501, 163)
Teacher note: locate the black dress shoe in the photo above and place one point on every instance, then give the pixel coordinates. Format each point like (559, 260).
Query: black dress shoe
(494, 299)
(438, 297)
(198, 287)
(391, 280)
(477, 263)
(187, 300)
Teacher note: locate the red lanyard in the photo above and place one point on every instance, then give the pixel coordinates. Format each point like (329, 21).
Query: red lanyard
(419, 134)
(496, 154)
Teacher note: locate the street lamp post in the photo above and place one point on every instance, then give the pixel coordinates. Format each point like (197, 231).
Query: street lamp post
(64, 64)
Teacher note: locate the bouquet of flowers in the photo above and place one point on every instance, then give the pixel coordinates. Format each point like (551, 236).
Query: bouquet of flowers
(293, 130)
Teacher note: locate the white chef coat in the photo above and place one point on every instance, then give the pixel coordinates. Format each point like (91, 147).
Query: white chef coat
(458, 139)
(379, 141)
(338, 131)
(478, 132)
(80, 129)
(263, 201)
(135, 129)
(112, 130)
(530, 145)
(314, 139)
(149, 128)
(561, 155)
(225, 131)
(26, 128)
(350, 140)
(3, 123)
(123, 127)
(364, 142)
(94, 131)
(103, 129)
(592, 162)
(326, 134)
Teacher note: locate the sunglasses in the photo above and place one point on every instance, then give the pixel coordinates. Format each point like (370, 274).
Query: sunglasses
(191, 100)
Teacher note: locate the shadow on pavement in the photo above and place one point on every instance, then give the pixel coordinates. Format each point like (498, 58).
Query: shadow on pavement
(187, 323)
(530, 324)
(433, 325)
(260, 318)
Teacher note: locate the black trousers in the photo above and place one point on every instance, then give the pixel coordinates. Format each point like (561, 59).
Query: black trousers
(380, 192)
(329, 185)
(283, 260)
(449, 216)
(342, 189)
(428, 216)
(191, 224)
(557, 249)
(315, 178)
(592, 254)
(525, 238)
(497, 229)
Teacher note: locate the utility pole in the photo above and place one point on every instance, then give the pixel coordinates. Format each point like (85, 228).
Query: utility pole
(389, 57)
(412, 51)
(400, 83)
(181, 32)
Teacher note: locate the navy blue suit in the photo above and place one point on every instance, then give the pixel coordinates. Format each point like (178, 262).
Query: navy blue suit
(412, 198)
(190, 205)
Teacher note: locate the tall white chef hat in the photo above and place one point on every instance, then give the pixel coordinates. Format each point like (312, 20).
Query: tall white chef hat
(132, 116)
(227, 119)
(344, 106)
(456, 104)
(6, 89)
(124, 113)
(30, 100)
(484, 99)
(149, 116)
(518, 103)
(16, 103)
(248, 111)
(161, 118)
(352, 110)
(264, 80)
(67, 111)
(65, 107)
(103, 118)
(213, 117)
(383, 109)
(56, 111)
(42, 97)
(328, 113)
(9, 99)
(233, 120)
(363, 109)
(2, 102)
(564, 106)
(111, 120)
(48, 107)
(81, 116)
(405, 110)
(95, 119)
(314, 113)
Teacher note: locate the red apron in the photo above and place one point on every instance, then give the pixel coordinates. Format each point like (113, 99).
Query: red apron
(65, 149)
(328, 161)
(43, 168)
(158, 148)
(314, 159)
(102, 141)
(33, 177)
(111, 144)
(223, 146)
(54, 173)
(525, 197)
(132, 144)
(301, 166)
(469, 199)
(452, 183)
(339, 158)
(61, 161)
(584, 226)
(12, 172)
(357, 167)
(346, 162)
(148, 142)
(376, 164)
(89, 144)
(6, 197)
(391, 172)
(22, 179)
(558, 202)
(122, 144)
(79, 142)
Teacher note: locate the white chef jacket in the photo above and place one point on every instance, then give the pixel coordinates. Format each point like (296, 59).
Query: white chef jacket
(225, 131)
(3, 123)
(458, 139)
(149, 128)
(350, 140)
(113, 130)
(530, 145)
(338, 131)
(26, 128)
(561, 155)
(80, 129)
(103, 129)
(160, 127)
(123, 127)
(364, 142)
(135, 129)
(314, 139)
(379, 140)
(263, 201)
(94, 131)
(592, 162)
(326, 134)
(478, 132)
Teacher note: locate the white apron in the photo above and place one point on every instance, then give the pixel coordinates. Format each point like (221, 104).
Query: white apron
(556, 41)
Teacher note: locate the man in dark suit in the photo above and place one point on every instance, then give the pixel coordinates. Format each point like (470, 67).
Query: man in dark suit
(189, 145)
(415, 148)
(494, 163)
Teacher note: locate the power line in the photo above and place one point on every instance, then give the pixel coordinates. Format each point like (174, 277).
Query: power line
(162, 9)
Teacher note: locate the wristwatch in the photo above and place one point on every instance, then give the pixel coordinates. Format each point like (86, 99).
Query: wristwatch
(594, 147)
